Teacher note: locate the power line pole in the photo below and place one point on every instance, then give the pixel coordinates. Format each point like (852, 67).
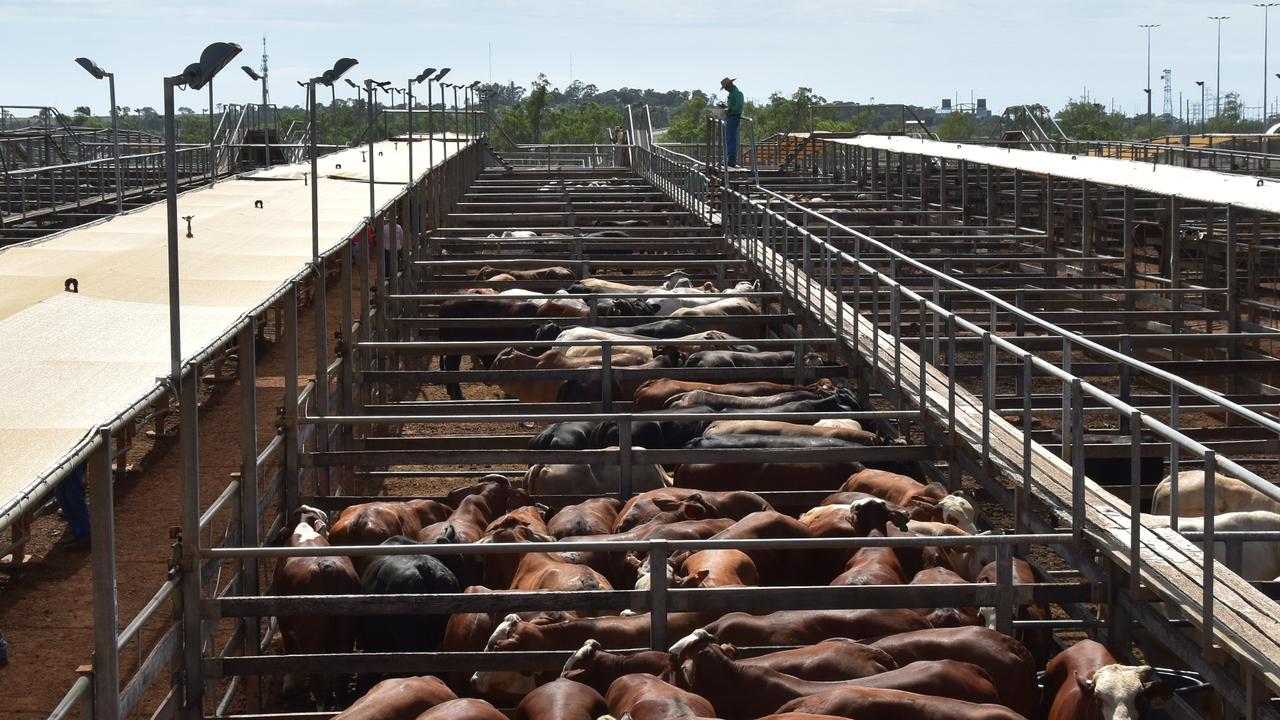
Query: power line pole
(1217, 88)
(1266, 32)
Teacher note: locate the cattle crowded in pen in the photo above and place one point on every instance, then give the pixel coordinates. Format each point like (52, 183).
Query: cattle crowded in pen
(935, 663)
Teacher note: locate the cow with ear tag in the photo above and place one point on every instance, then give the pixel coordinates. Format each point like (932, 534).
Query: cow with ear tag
(1085, 682)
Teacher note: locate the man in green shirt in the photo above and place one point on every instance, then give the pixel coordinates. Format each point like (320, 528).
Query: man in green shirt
(732, 116)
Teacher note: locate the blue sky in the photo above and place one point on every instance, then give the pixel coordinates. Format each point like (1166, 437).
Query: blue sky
(915, 51)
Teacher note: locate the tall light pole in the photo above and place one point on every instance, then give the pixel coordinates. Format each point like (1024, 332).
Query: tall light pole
(1266, 32)
(195, 76)
(328, 77)
(473, 89)
(1217, 88)
(1150, 119)
(414, 214)
(431, 127)
(99, 73)
(266, 112)
(1202, 103)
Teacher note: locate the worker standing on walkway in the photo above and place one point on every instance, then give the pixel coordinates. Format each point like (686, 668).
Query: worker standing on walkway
(70, 496)
(732, 117)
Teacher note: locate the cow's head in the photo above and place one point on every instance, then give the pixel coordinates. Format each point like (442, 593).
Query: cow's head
(547, 331)
(503, 684)
(868, 515)
(577, 663)
(957, 510)
(687, 647)
(315, 520)
(1123, 692)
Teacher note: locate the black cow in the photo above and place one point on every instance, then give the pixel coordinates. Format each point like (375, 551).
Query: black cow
(407, 574)
(734, 358)
(475, 307)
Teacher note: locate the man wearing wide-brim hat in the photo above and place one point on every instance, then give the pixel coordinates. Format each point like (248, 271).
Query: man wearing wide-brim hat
(732, 117)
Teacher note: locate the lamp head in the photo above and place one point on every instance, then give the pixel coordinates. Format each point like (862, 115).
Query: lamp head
(340, 68)
(424, 75)
(253, 75)
(474, 85)
(441, 74)
(348, 81)
(91, 67)
(212, 60)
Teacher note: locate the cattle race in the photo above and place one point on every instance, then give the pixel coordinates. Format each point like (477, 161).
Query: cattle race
(864, 425)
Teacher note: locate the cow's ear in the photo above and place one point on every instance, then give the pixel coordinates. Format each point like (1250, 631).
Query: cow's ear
(633, 561)
(666, 504)
(730, 651)
(543, 510)
(700, 576)
(694, 510)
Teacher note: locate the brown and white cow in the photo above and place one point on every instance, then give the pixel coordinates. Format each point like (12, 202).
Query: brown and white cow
(654, 394)
(831, 659)
(596, 667)
(326, 575)
(1085, 682)
(645, 697)
(371, 523)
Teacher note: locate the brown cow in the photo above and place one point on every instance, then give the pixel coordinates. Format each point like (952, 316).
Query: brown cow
(399, 699)
(922, 511)
(775, 567)
(615, 565)
(371, 523)
(512, 362)
(742, 692)
(536, 570)
(464, 709)
(562, 699)
(469, 632)
(805, 627)
(872, 566)
(653, 395)
(477, 506)
(1039, 641)
(327, 575)
(892, 487)
(831, 659)
(650, 506)
(596, 667)
(645, 697)
(866, 703)
(1001, 656)
(533, 517)
(777, 427)
(1085, 682)
(941, 617)
(555, 273)
(718, 568)
(591, 517)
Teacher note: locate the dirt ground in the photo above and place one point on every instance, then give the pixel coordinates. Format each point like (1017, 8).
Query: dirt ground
(46, 612)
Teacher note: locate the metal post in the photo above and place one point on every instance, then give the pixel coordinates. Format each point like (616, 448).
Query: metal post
(292, 445)
(249, 526)
(1210, 483)
(1135, 502)
(115, 141)
(106, 653)
(658, 554)
(318, 295)
(1077, 459)
(1130, 264)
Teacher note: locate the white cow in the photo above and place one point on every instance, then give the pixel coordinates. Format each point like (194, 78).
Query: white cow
(1229, 495)
(592, 480)
(1259, 560)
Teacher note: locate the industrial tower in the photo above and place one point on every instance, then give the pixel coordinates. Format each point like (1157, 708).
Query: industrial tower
(1166, 75)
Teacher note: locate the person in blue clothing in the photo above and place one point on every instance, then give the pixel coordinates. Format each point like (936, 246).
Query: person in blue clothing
(732, 117)
(4, 651)
(70, 496)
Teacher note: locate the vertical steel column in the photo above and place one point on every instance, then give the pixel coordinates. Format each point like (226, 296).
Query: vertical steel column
(964, 191)
(249, 524)
(1130, 263)
(1086, 228)
(1175, 266)
(318, 296)
(292, 477)
(102, 531)
(1233, 295)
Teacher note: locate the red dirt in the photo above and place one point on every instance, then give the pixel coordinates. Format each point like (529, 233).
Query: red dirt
(46, 612)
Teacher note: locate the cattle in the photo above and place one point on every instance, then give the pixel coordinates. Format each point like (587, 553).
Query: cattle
(653, 395)
(738, 359)
(1085, 682)
(718, 402)
(723, 306)
(407, 575)
(513, 634)
(892, 487)
(533, 517)
(805, 627)
(718, 568)
(644, 697)
(883, 704)
(511, 362)
(740, 691)
(470, 632)
(762, 442)
(477, 506)
(616, 566)
(789, 429)
(831, 659)
(373, 522)
(1259, 560)
(590, 517)
(649, 506)
(562, 699)
(468, 307)
(1039, 642)
(597, 668)
(568, 307)
(775, 567)
(1000, 656)
(669, 304)
(463, 709)
(872, 566)
(918, 511)
(598, 479)
(763, 476)
(327, 575)
(1229, 495)
(533, 571)
(399, 699)
(946, 617)
(1115, 470)
(555, 273)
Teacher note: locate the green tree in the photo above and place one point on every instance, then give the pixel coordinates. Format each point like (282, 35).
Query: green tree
(1085, 120)
(957, 126)
(82, 112)
(688, 124)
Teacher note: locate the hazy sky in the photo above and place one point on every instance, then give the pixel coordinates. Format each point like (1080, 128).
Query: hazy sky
(915, 51)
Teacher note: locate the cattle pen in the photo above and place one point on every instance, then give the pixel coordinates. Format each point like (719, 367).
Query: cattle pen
(1054, 339)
